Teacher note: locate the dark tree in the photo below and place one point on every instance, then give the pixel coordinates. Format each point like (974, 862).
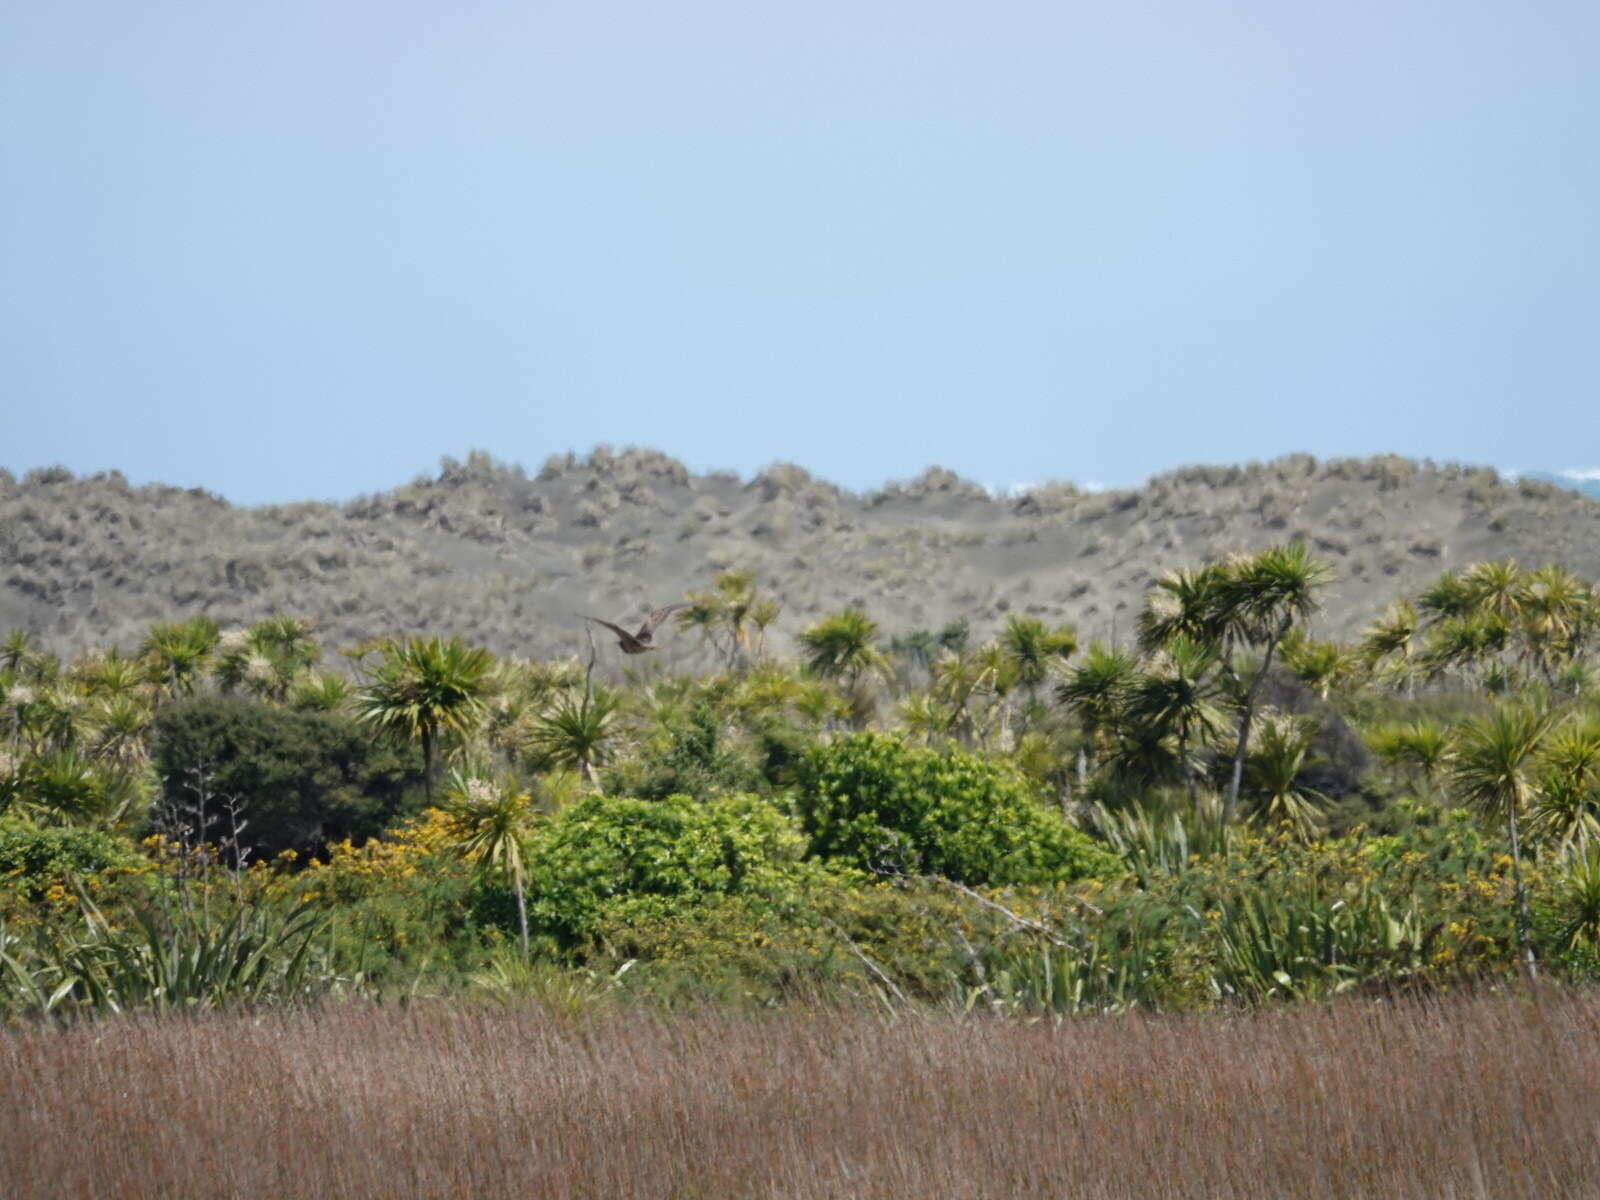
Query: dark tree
(300, 780)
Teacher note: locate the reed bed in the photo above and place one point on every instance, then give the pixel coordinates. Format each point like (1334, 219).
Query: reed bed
(1492, 1095)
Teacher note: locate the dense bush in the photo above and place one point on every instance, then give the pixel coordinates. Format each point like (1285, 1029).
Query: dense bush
(607, 858)
(874, 802)
(691, 762)
(302, 780)
(37, 859)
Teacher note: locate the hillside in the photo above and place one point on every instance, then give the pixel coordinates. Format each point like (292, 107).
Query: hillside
(506, 558)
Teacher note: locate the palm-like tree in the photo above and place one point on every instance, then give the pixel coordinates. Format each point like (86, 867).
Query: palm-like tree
(576, 730)
(1392, 638)
(1261, 599)
(1581, 896)
(110, 675)
(1281, 755)
(64, 787)
(1034, 649)
(731, 609)
(490, 819)
(736, 591)
(762, 614)
(953, 680)
(1470, 643)
(767, 691)
(1096, 691)
(997, 675)
(1559, 611)
(423, 687)
(1447, 597)
(1321, 666)
(1568, 806)
(819, 704)
(1190, 604)
(290, 640)
(20, 703)
(1496, 587)
(1494, 771)
(318, 691)
(922, 716)
(178, 652)
(58, 717)
(1179, 695)
(117, 726)
(16, 651)
(1421, 747)
(703, 614)
(843, 646)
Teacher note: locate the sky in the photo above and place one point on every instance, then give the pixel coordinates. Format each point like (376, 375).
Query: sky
(302, 250)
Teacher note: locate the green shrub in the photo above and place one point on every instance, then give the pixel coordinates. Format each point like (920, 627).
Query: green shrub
(608, 859)
(38, 858)
(872, 801)
(302, 780)
(693, 762)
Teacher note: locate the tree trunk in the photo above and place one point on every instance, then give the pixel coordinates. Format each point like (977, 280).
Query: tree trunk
(1188, 767)
(1524, 930)
(1245, 721)
(591, 775)
(522, 917)
(427, 764)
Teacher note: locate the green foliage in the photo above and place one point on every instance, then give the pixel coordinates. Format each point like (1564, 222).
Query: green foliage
(576, 730)
(425, 687)
(177, 652)
(1034, 648)
(901, 865)
(253, 956)
(1567, 808)
(873, 802)
(1280, 757)
(610, 859)
(1153, 842)
(1578, 903)
(64, 785)
(693, 762)
(300, 779)
(490, 819)
(842, 646)
(37, 859)
(1127, 957)
(1305, 946)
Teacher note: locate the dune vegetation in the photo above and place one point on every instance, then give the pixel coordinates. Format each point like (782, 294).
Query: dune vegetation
(807, 922)
(502, 557)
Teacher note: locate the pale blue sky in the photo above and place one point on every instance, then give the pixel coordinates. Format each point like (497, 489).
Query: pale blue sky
(303, 249)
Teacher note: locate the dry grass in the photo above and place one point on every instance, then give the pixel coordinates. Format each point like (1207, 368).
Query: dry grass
(1490, 1096)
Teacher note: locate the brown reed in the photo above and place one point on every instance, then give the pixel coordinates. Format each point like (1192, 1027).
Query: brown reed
(1491, 1095)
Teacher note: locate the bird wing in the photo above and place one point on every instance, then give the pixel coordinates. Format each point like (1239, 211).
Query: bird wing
(616, 629)
(655, 618)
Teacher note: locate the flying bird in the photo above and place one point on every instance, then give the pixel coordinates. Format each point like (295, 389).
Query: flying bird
(638, 643)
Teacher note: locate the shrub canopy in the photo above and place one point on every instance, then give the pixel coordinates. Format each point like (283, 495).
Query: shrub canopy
(608, 858)
(37, 858)
(301, 779)
(874, 802)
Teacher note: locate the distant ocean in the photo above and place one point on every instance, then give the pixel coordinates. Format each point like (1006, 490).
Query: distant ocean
(1584, 487)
